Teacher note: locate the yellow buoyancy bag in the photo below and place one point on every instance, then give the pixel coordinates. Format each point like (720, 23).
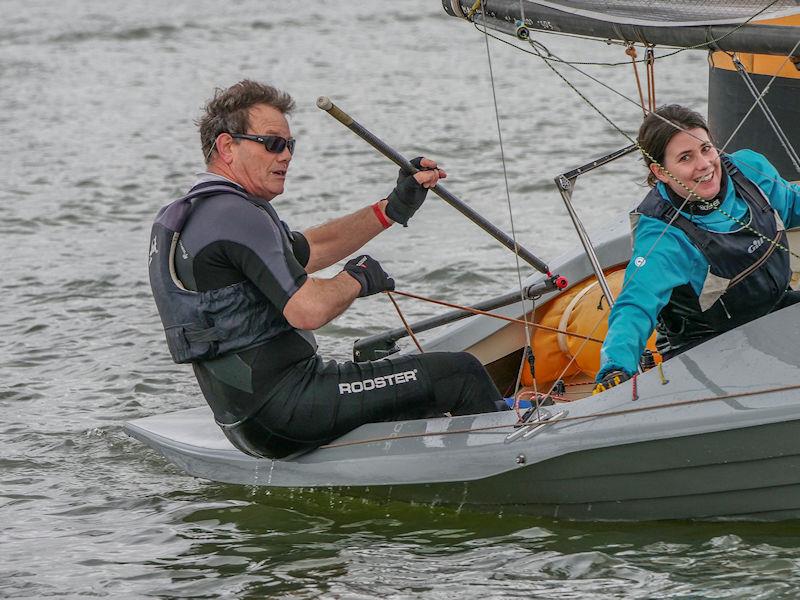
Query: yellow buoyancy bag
(581, 310)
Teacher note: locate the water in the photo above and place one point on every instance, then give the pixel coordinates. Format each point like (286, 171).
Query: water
(96, 109)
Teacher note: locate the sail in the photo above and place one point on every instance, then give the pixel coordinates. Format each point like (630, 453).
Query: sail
(715, 24)
(674, 13)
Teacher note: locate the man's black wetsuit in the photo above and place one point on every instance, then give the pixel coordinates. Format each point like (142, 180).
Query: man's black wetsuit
(281, 397)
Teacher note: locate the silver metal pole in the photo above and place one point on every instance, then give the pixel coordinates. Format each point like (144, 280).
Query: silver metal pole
(565, 188)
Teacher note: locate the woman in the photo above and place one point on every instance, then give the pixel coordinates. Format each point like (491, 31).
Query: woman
(709, 244)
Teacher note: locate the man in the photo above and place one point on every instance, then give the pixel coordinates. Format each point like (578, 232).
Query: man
(232, 286)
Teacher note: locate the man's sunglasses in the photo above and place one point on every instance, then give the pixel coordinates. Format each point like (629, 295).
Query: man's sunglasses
(273, 143)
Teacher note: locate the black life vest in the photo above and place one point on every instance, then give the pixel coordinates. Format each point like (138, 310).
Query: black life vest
(748, 275)
(205, 325)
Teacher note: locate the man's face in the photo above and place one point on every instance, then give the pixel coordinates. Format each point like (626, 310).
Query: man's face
(694, 161)
(258, 171)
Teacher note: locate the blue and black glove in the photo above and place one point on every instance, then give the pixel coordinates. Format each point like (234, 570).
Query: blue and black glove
(406, 197)
(368, 272)
(609, 380)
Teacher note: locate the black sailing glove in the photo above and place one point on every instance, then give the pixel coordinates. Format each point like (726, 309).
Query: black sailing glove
(406, 197)
(368, 272)
(609, 380)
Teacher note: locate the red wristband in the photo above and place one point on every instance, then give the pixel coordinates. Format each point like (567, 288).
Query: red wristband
(376, 208)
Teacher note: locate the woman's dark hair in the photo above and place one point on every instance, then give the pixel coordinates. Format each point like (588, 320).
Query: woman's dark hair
(229, 110)
(655, 133)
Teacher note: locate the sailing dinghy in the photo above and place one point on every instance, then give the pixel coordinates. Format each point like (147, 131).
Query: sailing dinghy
(710, 433)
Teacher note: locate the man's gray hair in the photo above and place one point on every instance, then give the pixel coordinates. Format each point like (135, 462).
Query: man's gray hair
(229, 110)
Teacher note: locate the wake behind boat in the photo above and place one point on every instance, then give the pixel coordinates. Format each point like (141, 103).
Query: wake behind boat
(708, 434)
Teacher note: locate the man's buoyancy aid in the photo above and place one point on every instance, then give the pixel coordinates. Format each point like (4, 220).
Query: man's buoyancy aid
(747, 277)
(205, 325)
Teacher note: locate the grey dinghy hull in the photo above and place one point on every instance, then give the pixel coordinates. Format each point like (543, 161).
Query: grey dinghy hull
(658, 457)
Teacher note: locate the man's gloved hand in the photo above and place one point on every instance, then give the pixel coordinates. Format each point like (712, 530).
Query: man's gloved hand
(368, 272)
(609, 380)
(406, 197)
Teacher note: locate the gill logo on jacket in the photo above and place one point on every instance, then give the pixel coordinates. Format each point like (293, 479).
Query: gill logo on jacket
(153, 250)
(377, 382)
(755, 245)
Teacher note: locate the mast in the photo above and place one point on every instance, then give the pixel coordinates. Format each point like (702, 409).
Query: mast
(773, 128)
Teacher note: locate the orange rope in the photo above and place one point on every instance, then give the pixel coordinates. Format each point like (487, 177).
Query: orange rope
(496, 316)
(631, 51)
(405, 323)
(650, 59)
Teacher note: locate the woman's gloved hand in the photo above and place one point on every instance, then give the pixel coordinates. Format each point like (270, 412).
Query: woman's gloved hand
(609, 380)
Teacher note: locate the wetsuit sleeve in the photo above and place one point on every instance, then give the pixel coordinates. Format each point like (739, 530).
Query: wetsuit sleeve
(784, 196)
(233, 240)
(659, 264)
(278, 276)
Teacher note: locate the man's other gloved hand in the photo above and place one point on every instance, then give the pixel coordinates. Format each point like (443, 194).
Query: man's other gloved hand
(609, 380)
(406, 197)
(368, 272)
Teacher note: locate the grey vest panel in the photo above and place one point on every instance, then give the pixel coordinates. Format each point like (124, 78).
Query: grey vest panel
(205, 325)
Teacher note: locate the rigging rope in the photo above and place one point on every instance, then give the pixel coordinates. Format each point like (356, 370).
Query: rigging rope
(650, 62)
(477, 311)
(550, 57)
(710, 43)
(536, 46)
(773, 123)
(631, 51)
(508, 201)
(405, 323)
(611, 413)
(759, 97)
(650, 59)
(651, 78)
(691, 192)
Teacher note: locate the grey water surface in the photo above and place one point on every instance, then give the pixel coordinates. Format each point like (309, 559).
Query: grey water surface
(97, 104)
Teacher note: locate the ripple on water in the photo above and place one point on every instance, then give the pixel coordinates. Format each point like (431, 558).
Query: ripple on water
(18, 393)
(85, 351)
(109, 34)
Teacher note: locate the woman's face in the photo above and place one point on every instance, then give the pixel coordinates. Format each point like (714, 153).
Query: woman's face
(694, 161)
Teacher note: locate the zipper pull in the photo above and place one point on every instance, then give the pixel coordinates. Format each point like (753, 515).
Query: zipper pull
(725, 308)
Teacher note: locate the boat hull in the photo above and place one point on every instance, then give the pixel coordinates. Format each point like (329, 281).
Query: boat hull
(713, 436)
(742, 474)
(750, 473)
